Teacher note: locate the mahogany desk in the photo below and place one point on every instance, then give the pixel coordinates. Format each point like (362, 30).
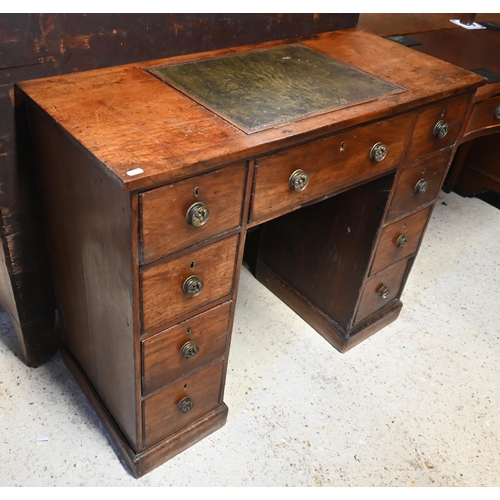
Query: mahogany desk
(151, 181)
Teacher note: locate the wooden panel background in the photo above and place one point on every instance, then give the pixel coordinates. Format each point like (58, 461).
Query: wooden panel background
(40, 45)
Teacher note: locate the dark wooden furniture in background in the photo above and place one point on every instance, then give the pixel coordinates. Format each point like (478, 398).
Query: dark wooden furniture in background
(130, 168)
(41, 45)
(405, 24)
(475, 168)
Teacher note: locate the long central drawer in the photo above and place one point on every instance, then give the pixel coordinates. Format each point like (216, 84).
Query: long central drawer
(327, 165)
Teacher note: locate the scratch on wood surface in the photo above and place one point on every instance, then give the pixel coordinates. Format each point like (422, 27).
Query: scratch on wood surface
(82, 41)
(47, 24)
(150, 136)
(43, 60)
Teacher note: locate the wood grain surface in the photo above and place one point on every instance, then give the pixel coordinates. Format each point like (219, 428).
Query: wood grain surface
(177, 137)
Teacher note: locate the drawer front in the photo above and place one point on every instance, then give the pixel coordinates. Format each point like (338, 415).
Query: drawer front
(485, 115)
(419, 185)
(425, 138)
(399, 240)
(163, 297)
(330, 164)
(373, 297)
(163, 412)
(164, 211)
(184, 348)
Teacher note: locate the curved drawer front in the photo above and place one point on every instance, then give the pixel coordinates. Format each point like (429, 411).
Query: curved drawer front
(380, 290)
(418, 185)
(167, 287)
(165, 228)
(447, 115)
(184, 347)
(330, 165)
(181, 403)
(486, 115)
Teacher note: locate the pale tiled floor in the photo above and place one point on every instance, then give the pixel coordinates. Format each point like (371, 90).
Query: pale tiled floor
(415, 405)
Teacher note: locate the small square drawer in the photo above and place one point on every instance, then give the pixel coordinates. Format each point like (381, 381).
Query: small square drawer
(187, 212)
(301, 174)
(381, 289)
(399, 240)
(175, 289)
(486, 115)
(182, 403)
(438, 126)
(419, 185)
(184, 348)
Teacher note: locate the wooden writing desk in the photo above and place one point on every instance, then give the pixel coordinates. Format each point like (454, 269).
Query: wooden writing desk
(149, 189)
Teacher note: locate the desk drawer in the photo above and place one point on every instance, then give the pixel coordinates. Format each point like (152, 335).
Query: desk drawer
(419, 185)
(163, 412)
(381, 289)
(168, 292)
(164, 222)
(399, 240)
(330, 164)
(184, 347)
(425, 138)
(486, 114)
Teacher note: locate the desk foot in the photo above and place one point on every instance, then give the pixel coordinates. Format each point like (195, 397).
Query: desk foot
(38, 341)
(140, 463)
(338, 337)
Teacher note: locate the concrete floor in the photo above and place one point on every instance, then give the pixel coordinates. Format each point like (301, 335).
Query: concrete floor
(414, 405)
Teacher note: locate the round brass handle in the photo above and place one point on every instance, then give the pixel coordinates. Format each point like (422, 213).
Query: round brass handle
(441, 129)
(497, 113)
(402, 241)
(299, 180)
(185, 404)
(189, 350)
(197, 214)
(378, 151)
(421, 186)
(192, 286)
(384, 291)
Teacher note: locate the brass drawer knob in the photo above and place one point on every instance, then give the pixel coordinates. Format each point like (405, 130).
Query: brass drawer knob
(384, 291)
(402, 241)
(497, 113)
(378, 151)
(185, 404)
(192, 286)
(197, 214)
(421, 186)
(441, 129)
(189, 350)
(298, 180)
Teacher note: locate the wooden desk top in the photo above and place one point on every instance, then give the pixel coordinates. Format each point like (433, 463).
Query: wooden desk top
(151, 126)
